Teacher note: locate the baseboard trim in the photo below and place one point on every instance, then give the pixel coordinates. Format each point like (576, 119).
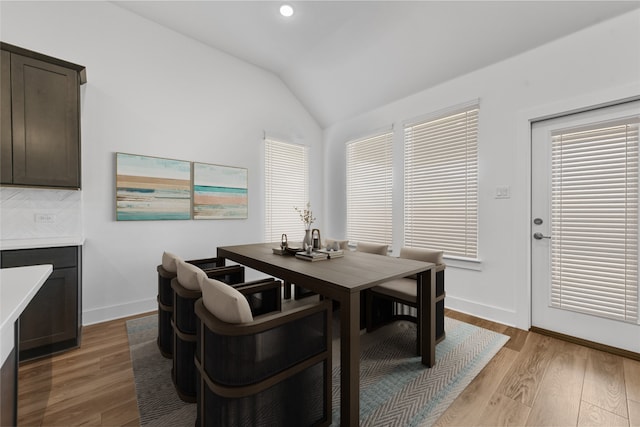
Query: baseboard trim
(104, 314)
(483, 311)
(591, 344)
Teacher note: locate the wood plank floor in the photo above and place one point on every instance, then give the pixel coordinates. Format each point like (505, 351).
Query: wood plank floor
(537, 380)
(533, 381)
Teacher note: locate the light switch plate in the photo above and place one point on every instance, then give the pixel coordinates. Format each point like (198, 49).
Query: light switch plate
(45, 218)
(503, 192)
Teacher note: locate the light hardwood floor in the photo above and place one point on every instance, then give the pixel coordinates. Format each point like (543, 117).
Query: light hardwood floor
(533, 381)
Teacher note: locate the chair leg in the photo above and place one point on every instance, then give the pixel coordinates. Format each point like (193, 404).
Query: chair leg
(418, 328)
(287, 289)
(369, 315)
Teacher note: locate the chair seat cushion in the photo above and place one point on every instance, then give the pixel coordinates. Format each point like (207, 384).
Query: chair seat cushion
(169, 262)
(225, 302)
(404, 289)
(189, 275)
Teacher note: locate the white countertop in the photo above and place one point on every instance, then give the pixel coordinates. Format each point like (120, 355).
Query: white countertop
(47, 242)
(18, 286)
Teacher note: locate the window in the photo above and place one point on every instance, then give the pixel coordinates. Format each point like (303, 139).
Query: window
(286, 187)
(369, 180)
(441, 183)
(594, 211)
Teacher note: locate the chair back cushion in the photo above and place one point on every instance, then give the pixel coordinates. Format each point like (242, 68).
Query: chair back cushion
(169, 262)
(420, 254)
(189, 274)
(342, 244)
(372, 248)
(225, 302)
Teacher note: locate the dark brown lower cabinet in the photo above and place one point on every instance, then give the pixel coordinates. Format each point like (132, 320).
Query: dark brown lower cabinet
(52, 321)
(9, 390)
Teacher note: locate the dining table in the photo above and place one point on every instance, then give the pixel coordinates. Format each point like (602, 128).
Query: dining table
(343, 279)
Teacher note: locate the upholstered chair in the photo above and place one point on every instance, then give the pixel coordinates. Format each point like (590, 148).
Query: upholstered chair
(167, 271)
(372, 248)
(404, 292)
(342, 243)
(186, 290)
(270, 369)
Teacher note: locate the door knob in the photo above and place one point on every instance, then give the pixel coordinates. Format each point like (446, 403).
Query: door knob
(540, 236)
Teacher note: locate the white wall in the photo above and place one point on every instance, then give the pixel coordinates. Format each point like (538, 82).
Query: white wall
(596, 65)
(153, 92)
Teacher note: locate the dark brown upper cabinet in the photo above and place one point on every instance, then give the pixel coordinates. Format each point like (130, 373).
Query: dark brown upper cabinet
(40, 103)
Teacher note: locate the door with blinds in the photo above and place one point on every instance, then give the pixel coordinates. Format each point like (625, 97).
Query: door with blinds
(584, 241)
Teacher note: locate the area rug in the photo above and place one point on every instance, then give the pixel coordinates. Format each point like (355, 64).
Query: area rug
(395, 388)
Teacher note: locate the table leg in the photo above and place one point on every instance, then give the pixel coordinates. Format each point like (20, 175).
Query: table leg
(287, 289)
(350, 360)
(427, 282)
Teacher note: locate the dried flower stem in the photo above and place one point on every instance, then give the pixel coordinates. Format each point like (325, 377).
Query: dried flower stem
(306, 216)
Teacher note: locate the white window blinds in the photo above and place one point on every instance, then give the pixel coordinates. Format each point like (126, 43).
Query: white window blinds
(369, 184)
(594, 210)
(441, 183)
(286, 187)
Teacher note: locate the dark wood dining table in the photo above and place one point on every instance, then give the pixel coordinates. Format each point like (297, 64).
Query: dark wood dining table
(343, 279)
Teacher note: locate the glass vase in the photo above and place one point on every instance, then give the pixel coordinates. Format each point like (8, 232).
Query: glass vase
(308, 239)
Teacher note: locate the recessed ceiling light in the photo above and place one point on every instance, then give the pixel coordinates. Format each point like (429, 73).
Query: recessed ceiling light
(286, 10)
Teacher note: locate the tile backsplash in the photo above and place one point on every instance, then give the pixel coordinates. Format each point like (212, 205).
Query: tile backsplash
(28, 213)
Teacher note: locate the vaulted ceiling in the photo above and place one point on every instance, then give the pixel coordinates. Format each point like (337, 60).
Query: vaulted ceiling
(343, 58)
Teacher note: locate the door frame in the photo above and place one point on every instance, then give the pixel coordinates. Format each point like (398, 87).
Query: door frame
(523, 206)
(560, 321)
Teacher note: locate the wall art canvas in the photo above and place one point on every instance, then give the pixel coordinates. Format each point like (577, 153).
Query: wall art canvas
(152, 188)
(219, 192)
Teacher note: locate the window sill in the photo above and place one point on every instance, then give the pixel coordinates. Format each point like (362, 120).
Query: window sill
(463, 263)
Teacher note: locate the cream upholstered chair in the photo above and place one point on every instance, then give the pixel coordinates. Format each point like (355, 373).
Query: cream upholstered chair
(186, 290)
(270, 369)
(372, 248)
(404, 291)
(342, 243)
(167, 271)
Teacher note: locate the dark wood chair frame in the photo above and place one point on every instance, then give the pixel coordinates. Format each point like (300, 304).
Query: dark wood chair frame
(261, 324)
(379, 314)
(165, 300)
(183, 323)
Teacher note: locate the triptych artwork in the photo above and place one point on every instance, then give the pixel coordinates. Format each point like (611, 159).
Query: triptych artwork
(153, 188)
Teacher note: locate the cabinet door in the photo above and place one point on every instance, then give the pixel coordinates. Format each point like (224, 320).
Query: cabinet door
(6, 153)
(9, 391)
(46, 132)
(50, 318)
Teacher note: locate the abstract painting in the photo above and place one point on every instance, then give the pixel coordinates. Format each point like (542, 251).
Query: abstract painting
(152, 188)
(219, 192)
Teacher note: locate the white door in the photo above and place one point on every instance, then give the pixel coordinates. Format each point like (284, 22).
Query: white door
(584, 242)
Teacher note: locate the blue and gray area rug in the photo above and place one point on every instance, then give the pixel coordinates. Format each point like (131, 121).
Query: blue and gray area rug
(395, 388)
